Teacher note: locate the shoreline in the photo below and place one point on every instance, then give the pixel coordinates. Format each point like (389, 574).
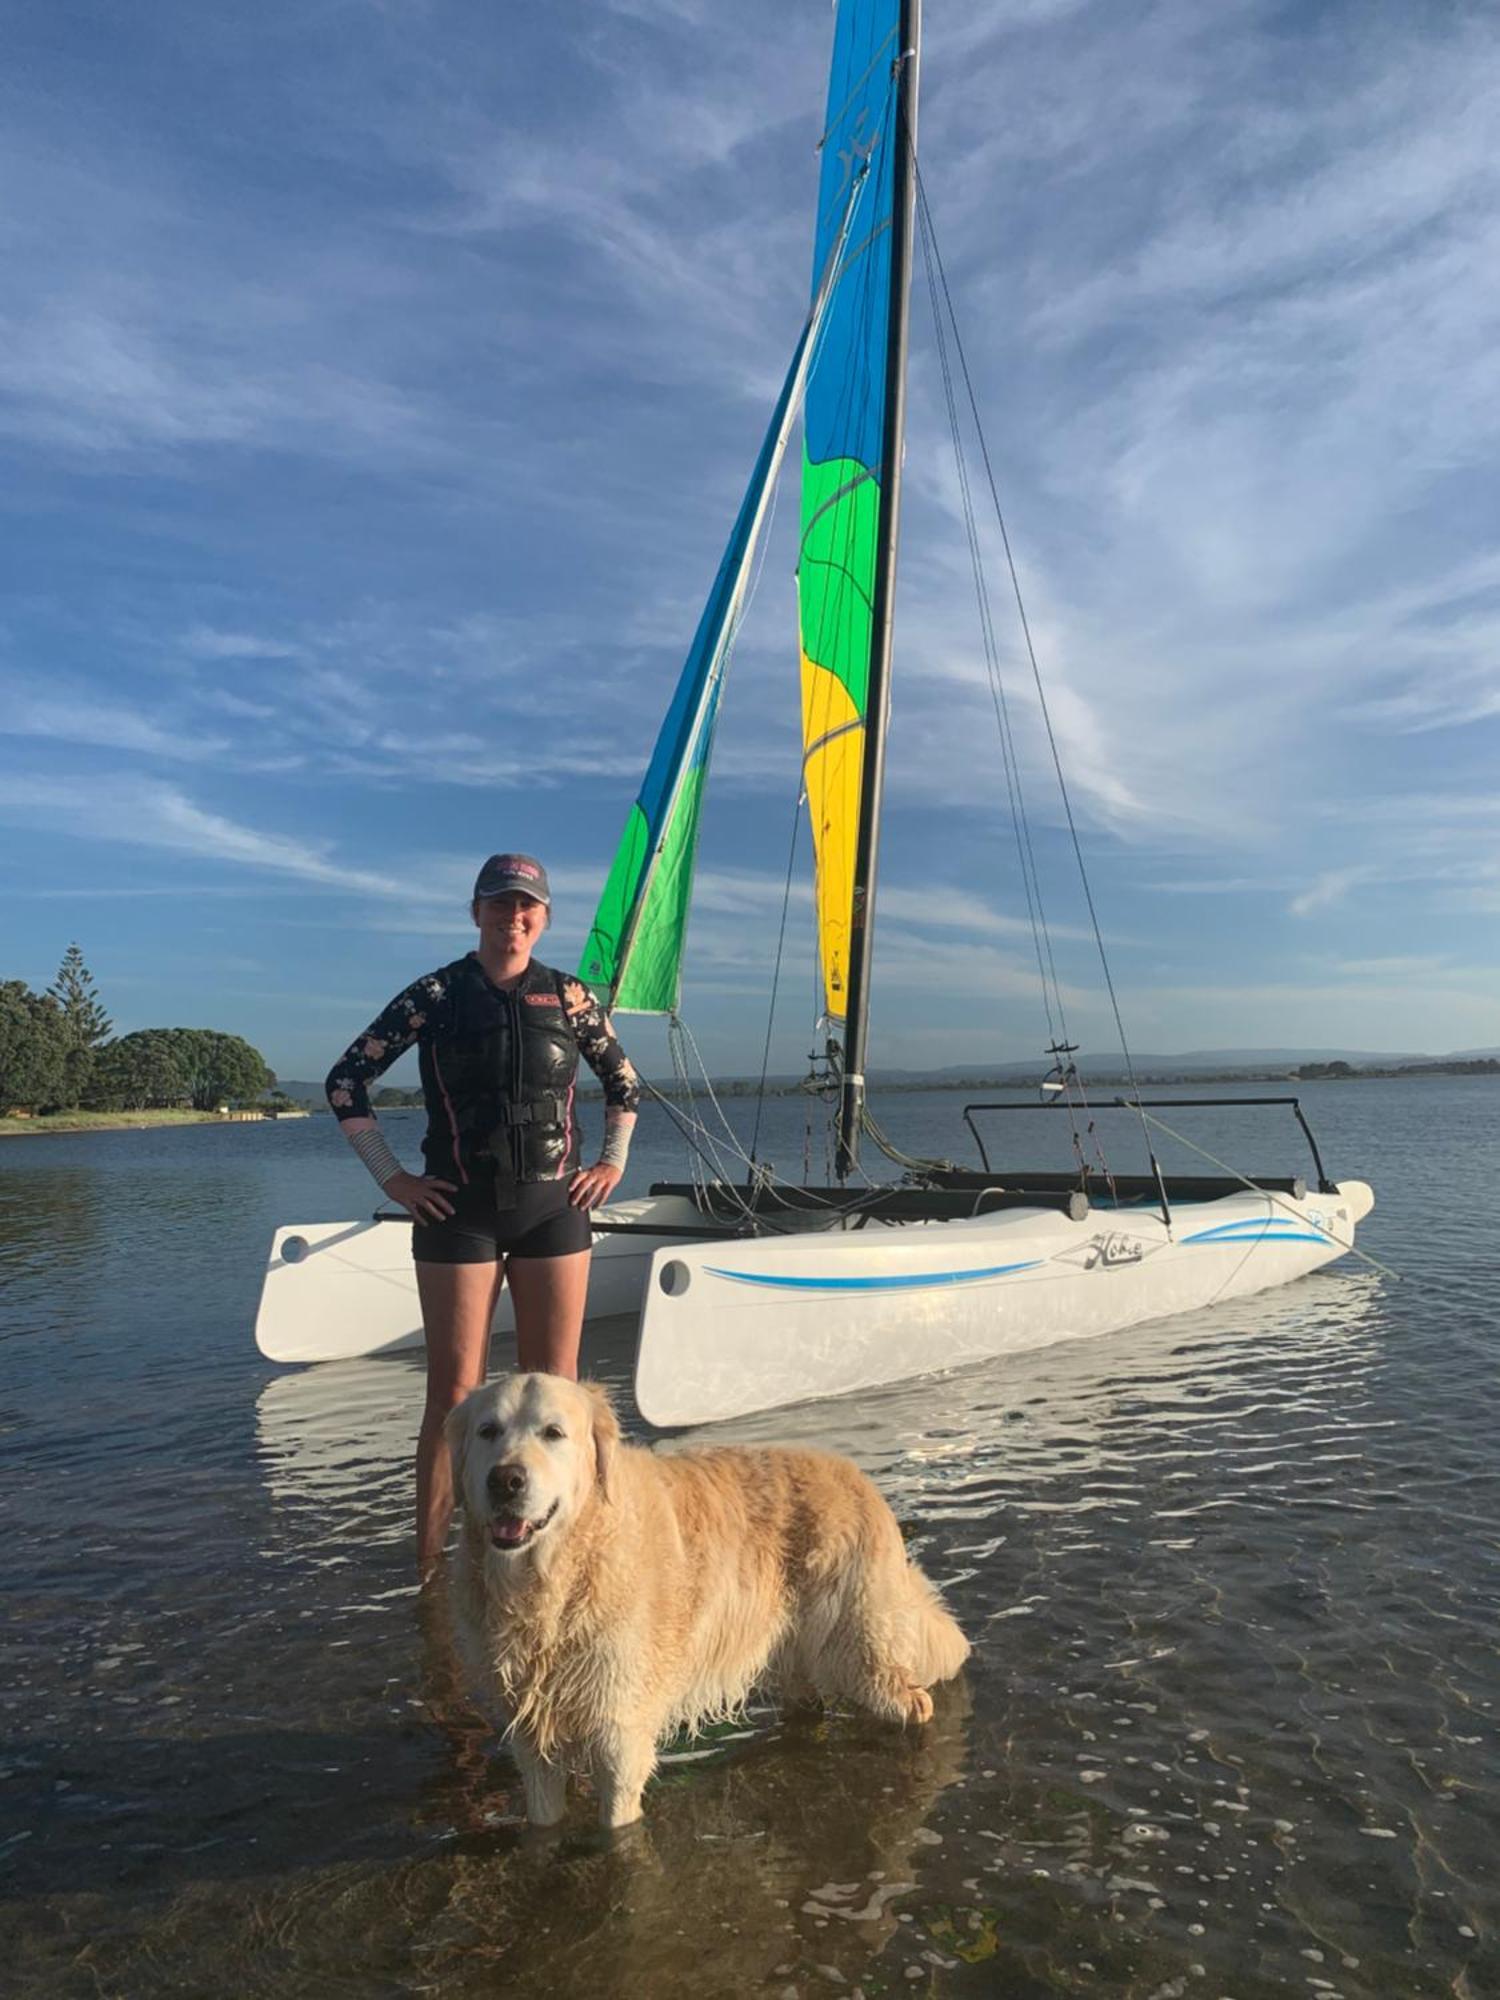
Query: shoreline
(74, 1122)
(144, 1121)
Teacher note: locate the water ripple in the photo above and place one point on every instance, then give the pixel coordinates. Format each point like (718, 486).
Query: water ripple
(1230, 1727)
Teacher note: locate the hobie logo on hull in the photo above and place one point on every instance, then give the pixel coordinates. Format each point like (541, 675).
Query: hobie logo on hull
(1108, 1251)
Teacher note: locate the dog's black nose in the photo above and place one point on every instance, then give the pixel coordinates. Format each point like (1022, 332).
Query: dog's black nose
(506, 1481)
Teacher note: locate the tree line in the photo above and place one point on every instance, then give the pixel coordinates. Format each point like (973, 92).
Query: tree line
(58, 1051)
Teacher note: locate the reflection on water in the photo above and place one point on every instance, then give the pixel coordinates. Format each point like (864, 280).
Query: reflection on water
(1229, 1728)
(802, 1849)
(32, 1233)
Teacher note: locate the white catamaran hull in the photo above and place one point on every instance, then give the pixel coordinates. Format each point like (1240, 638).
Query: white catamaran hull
(738, 1326)
(734, 1325)
(334, 1291)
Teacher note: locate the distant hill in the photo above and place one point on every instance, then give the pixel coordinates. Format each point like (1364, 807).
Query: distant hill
(1195, 1062)
(303, 1093)
(1221, 1063)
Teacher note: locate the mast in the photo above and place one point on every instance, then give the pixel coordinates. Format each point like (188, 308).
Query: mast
(877, 710)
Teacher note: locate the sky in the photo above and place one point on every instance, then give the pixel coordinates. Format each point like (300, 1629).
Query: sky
(378, 381)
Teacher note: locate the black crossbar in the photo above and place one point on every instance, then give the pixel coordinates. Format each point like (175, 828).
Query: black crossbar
(601, 1226)
(1126, 1187)
(1055, 1104)
(955, 1203)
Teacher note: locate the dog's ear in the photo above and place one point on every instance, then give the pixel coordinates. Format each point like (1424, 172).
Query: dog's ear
(606, 1428)
(456, 1428)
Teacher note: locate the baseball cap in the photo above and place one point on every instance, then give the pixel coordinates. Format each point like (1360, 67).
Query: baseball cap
(507, 874)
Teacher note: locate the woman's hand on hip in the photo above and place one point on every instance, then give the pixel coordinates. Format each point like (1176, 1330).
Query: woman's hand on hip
(422, 1196)
(591, 1185)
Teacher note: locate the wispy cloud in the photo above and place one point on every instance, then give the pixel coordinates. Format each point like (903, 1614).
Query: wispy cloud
(80, 379)
(1328, 888)
(203, 643)
(81, 716)
(140, 813)
(1401, 966)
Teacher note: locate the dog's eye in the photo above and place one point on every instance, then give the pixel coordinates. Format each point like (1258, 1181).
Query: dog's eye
(489, 1431)
(553, 1432)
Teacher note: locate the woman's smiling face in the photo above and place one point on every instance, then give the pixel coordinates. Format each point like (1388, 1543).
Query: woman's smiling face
(511, 922)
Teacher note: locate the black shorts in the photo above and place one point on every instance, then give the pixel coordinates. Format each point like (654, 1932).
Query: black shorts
(541, 1223)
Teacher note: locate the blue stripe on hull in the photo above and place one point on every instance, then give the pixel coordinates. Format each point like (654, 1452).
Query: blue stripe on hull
(926, 1278)
(1256, 1232)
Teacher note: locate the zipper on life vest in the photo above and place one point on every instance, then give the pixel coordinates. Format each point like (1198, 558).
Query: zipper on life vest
(458, 1158)
(517, 1073)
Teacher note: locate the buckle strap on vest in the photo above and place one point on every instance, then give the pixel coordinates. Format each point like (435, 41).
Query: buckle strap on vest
(539, 1111)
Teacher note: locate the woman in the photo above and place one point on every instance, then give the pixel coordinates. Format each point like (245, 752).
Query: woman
(498, 1035)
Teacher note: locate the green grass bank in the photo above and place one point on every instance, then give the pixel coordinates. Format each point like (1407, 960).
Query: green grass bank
(116, 1121)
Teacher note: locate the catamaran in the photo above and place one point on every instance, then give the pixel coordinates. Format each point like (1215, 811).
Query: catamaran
(750, 1291)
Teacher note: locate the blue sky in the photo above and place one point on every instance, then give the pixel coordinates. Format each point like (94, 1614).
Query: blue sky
(377, 383)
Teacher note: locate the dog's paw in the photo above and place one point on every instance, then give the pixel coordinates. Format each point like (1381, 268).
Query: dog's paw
(918, 1705)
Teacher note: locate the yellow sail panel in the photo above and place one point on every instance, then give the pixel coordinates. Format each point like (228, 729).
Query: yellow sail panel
(841, 506)
(834, 731)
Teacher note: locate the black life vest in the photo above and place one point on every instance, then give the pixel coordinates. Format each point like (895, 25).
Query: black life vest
(498, 1080)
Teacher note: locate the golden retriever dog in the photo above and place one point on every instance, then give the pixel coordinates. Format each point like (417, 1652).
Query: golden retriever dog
(610, 1596)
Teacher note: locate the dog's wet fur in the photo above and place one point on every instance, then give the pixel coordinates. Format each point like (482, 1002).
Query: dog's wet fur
(610, 1596)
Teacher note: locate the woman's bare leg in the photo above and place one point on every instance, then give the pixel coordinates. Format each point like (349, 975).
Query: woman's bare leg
(548, 1294)
(458, 1305)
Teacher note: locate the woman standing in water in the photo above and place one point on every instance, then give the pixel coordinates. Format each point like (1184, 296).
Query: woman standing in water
(498, 1036)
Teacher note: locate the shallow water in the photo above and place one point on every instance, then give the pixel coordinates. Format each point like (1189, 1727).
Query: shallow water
(1230, 1727)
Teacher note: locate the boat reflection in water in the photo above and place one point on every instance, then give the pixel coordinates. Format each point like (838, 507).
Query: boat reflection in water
(342, 1435)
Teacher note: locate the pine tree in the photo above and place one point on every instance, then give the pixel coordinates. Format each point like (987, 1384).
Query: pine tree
(83, 1021)
(82, 1009)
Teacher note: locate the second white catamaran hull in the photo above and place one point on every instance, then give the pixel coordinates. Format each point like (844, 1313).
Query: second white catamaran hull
(732, 1325)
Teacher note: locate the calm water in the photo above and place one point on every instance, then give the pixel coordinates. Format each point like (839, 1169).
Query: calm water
(1230, 1728)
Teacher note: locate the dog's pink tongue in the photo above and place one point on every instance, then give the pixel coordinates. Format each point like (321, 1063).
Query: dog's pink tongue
(510, 1531)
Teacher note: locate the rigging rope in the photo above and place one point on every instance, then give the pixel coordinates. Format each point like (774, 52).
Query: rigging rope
(1030, 880)
(786, 901)
(1270, 1194)
(930, 235)
(713, 1151)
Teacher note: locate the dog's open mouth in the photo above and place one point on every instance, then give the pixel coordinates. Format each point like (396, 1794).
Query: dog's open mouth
(510, 1532)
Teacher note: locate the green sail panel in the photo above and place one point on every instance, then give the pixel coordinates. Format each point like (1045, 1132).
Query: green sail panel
(601, 954)
(841, 512)
(647, 979)
(652, 979)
